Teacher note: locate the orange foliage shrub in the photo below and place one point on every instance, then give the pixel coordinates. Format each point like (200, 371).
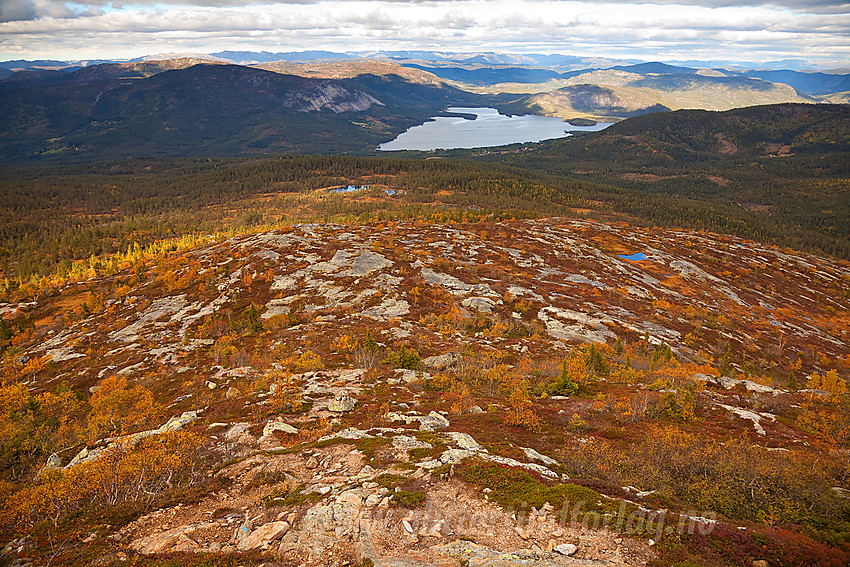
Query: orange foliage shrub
(830, 382)
(306, 362)
(829, 425)
(117, 409)
(120, 475)
(345, 344)
(522, 412)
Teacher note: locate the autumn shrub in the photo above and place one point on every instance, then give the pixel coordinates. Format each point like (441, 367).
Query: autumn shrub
(733, 478)
(829, 424)
(678, 406)
(121, 474)
(345, 344)
(367, 353)
(34, 425)
(117, 409)
(596, 362)
(829, 382)
(308, 361)
(521, 412)
(727, 545)
(458, 398)
(285, 395)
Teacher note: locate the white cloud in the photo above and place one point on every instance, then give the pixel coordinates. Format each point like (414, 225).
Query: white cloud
(709, 29)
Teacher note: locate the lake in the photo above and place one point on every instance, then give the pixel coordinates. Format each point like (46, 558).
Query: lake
(488, 129)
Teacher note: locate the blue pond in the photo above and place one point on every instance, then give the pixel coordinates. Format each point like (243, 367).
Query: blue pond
(636, 257)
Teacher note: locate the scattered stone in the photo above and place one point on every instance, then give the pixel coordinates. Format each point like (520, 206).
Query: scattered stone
(476, 409)
(342, 402)
(728, 383)
(178, 423)
(54, 461)
(232, 392)
(312, 463)
(566, 549)
(482, 304)
(211, 385)
(265, 534)
(407, 526)
(236, 430)
(760, 563)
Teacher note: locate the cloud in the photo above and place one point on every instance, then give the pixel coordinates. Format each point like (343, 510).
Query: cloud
(655, 30)
(12, 10)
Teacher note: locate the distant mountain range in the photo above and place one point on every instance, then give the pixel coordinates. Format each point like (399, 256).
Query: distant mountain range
(324, 102)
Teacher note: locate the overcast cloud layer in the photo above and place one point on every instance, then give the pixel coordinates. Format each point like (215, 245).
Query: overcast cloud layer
(813, 30)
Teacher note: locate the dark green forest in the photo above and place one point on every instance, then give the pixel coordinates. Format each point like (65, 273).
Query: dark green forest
(48, 219)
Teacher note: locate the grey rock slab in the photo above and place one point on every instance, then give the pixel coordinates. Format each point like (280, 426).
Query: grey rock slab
(405, 442)
(534, 455)
(389, 308)
(482, 304)
(441, 361)
(350, 433)
(463, 440)
(476, 555)
(366, 263)
(236, 430)
(277, 425)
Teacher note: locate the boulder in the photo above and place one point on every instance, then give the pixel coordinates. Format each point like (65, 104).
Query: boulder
(277, 425)
(432, 422)
(342, 402)
(410, 376)
(267, 533)
(566, 549)
(441, 361)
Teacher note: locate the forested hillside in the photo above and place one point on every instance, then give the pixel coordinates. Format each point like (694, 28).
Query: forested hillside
(215, 110)
(786, 163)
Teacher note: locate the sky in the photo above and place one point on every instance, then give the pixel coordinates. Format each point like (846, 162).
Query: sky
(816, 31)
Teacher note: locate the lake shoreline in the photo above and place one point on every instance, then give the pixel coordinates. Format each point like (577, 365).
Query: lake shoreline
(454, 129)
